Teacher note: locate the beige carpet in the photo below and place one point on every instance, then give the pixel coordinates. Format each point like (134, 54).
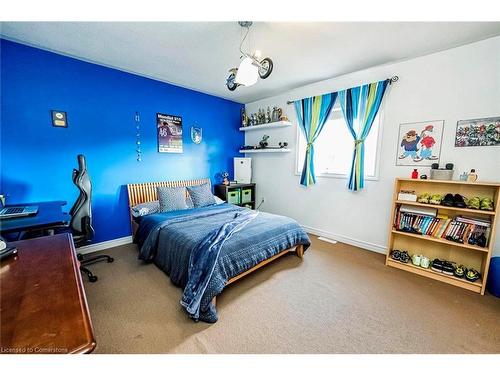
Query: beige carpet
(339, 299)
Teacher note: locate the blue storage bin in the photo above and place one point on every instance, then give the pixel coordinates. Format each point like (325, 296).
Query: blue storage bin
(493, 284)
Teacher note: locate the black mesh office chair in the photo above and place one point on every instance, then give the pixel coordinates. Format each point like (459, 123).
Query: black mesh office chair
(81, 217)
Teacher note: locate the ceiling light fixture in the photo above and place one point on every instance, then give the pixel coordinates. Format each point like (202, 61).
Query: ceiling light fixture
(250, 68)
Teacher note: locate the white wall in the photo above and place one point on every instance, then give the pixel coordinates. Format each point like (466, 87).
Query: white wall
(457, 84)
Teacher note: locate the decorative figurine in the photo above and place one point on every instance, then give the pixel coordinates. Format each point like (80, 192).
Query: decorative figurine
(244, 117)
(472, 176)
(414, 174)
(276, 116)
(253, 119)
(283, 144)
(262, 116)
(263, 143)
(268, 115)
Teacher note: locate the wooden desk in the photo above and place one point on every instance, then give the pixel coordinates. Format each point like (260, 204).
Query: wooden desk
(43, 306)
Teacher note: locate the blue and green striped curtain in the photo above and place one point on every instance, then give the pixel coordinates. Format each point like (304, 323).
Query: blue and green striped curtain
(312, 114)
(360, 106)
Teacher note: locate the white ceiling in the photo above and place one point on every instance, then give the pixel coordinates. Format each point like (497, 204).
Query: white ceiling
(198, 55)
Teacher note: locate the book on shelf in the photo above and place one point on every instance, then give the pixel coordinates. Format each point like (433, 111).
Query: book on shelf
(466, 230)
(418, 210)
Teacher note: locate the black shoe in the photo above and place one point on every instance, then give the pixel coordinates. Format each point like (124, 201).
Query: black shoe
(458, 201)
(437, 265)
(448, 268)
(448, 200)
(395, 254)
(404, 257)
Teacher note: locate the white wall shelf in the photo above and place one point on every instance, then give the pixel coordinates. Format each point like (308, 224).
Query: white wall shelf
(265, 150)
(270, 125)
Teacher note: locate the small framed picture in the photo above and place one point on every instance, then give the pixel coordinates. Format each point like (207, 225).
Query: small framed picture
(59, 119)
(419, 143)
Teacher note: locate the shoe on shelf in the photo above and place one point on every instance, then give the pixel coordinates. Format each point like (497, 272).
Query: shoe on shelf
(404, 257)
(424, 198)
(458, 201)
(448, 268)
(437, 265)
(448, 200)
(472, 275)
(474, 203)
(395, 254)
(460, 271)
(487, 204)
(436, 199)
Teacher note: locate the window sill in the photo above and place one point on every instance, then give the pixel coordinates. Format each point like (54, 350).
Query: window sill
(339, 176)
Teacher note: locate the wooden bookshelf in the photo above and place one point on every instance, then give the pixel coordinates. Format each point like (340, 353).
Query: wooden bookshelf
(470, 256)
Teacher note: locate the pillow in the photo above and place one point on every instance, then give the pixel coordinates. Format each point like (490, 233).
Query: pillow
(146, 208)
(171, 198)
(201, 195)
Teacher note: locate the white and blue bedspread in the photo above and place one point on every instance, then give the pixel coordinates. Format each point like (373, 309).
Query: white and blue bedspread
(171, 239)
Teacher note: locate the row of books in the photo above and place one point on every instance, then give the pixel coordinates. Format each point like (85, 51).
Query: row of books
(460, 229)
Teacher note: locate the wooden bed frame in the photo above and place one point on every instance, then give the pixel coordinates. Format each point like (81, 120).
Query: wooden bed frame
(146, 192)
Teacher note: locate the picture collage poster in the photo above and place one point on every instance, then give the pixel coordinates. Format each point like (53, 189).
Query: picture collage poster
(169, 129)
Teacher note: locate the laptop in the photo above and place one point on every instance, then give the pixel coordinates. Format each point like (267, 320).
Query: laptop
(17, 211)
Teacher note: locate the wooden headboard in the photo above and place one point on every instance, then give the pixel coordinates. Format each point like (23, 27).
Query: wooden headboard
(146, 192)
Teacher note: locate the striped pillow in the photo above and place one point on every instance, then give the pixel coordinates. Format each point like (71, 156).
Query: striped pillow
(172, 198)
(201, 195)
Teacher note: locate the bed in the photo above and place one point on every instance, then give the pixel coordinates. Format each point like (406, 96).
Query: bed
(171, 240)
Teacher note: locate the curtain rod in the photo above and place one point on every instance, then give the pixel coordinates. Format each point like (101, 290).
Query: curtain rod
(391, 81)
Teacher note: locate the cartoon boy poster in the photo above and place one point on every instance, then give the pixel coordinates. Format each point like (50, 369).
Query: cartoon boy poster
(419, 143)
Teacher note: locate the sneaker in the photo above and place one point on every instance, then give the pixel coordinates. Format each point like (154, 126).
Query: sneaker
(474, 203)
(487, 204)
(395, 254)
(460, 271)
(472, 275)
(458, 201)
(448, 200)
(448, 268)
(404, 257)
(437, 265)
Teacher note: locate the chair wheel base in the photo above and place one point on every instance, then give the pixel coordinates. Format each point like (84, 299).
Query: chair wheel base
(93, 278)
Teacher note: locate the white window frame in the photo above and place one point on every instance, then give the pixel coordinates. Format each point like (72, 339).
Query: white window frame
(375, 177)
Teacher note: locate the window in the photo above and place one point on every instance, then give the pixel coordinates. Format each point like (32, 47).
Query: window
(334, 148)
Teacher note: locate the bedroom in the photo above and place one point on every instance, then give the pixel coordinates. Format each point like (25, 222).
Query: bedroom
(245, 198)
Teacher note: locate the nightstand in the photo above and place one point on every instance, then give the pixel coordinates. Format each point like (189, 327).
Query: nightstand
(238, 194)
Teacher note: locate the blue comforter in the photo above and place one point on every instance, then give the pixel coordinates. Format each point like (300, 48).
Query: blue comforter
(169, 239)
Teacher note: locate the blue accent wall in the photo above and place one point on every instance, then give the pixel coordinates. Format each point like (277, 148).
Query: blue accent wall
(37, 159)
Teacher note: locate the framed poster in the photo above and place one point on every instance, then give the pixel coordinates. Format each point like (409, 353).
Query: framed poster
(419, 143)
(169, 129)
(59, 119)
(478, 132)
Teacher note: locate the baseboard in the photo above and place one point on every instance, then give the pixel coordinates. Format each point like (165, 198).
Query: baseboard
(104, 245)
(348, 240)
(317, 232)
